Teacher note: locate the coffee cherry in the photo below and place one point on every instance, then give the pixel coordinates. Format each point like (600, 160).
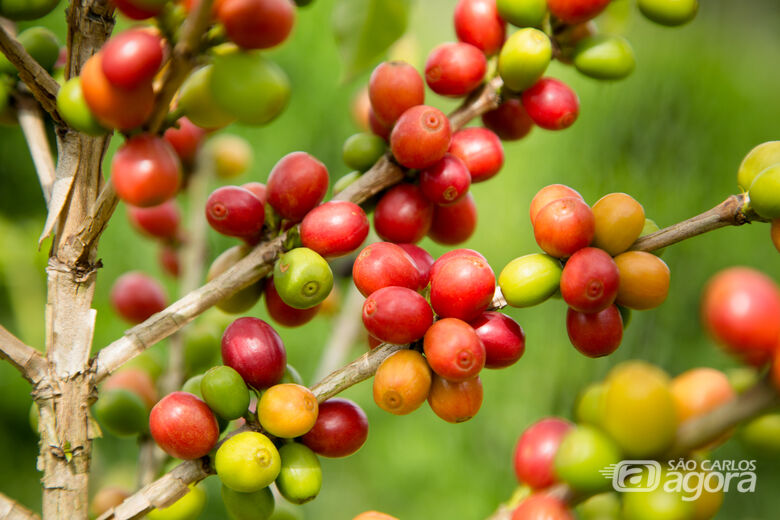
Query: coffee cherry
(535, 451)
(225, 392)
(232, 157)
(157, 221)
(463, 288)
(699, 391)
(397, 315)
(644, 280)
(477, 22)
(619, 220)
(551, 104)
(384, 264)
(589, 407)
(420, 137)
(589, 282)
(74, 109)
(583, 453)
(655, 503)
(345, 181)
(378, 128)
(282, 313)
(422, 260)
(188, 507)
(26, 9)
(185, 140)
(248, 506)
(122, 412)
(300, 478)
(509, 121)
(287, 410)
(403, 214)
(235, 212)
(522, 13)
(402, 382)
(145, 171)
(569, 36)
(361, 151)
(761, 434)
(196, 101)
(139, 9)
(503, 338)
(529, 280)
(257, 188)
(455, 402)
(604, 57)
(340, 430)
(453, 350)
(246, 297)
(446, 257)
(302, 278)
(765, 193)
(136, 297)
(454, 224)
(757, 160)
(542, 507)
(480, 150)
(669, 12)
(183, 426)
(135, 380)
(549, 194)
(446, 181)
(255, 350)
(256, 24)
(394, 87)
(132, 58)
(597, 334)
(455, 69)
(576, 11)
(524, 58)
(106, 498)
(564, 226)
(247, 462)
(296, 184)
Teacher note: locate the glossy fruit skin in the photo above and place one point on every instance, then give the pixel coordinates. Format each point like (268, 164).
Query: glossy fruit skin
(132, 58)
(551, 104)
(188, 507)
(243, 299)
(644, 280)
(502, 336)
(422, 260)
(535, 451)
(420, 137)
(669, 12)
(764, 193)
(455, 69)
(397, 315)
(524, 58)
(225, 392)
(402, 382)
(197, 102)
(453, 350)
(583, 453)
(529, 280)
(403, 214)
(122, 412)
(549, 194)
(564, 226)
(542, 507)
(394, 87)
(247, 462)
(379, 128)
(248, 506)
(522, 13)
(235, 212)
(27, 9)
(300, 478)
(699, 390)
(135, 380)
(455, 402)
(604, 57)
(589, 282)
(455, 223)
(303, 279)
(341, 429)
(740, 308)
(384, 264)
(462, 287)
(258, 188)
(157, 221)
(136, 297)
(255, 350)
(287, 410)
(757, 160)
(509, 121)
(445, 182)
(183, 426)
(362, 150)
(257, 24)
(619, 221)
(477, 22)
(146, 171)
(296, 184)
(74, 110)
(137, 9)
(576, 11)
(480, 150)
(639, 410)
(282, 313)
(449, 255)
(185, 140)
(597, 334)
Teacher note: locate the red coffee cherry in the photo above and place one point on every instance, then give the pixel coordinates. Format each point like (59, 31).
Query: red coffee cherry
(397, 315)
(254, 349)
(183, 426)
(185, 140)
(551, 104)
(454, 224)
(477, 22)
(403, 214)
(445, 182)
(503, 338)
(235, 212)
(455, 402)
(384, 264)
(378, 127)
(136, 297)
(480, 150)
(538, 507)
(536, 449)
(463, 287)
(509, 121)
(132, 58)
(420, 137)
(453, 349)
(157, 221)
(335, 228)
(341, 429)
(423, 261)
(373, 342)
(548, 194)
(455, 69)
(446, 257)
(259, 189)
(394, 88)
(590, 279)
(169, 260)
(256, 24)
(296, 185)
(282, 313)
(145, 171)
(576, 11)
(137, 9)
(595, 334)
(564, 226)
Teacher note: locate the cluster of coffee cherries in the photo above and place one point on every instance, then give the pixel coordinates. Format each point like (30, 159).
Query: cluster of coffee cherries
(588, 262)
(759, 177)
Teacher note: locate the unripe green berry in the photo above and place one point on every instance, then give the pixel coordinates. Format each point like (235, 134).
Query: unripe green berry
(362, 150)
(604, 57)
(300, 478)
(122, 412)
(196, 101)
(74, 110)
(522, 13)
(757, 160)
(225, 392)
(669, 12)
(302, 278)
(345, 181)
(524, 58)
(248, 506)
(581, 456)
(765, 193)
(530, 279)
(247, 462)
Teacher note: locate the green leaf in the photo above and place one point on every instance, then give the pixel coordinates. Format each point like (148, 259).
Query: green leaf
(365, 29)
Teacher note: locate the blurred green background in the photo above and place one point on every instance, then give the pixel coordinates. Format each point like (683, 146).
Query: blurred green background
(671, 135)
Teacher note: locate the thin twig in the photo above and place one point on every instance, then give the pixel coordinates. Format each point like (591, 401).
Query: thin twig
(345, 333)
(26, 359)
(12, 510)
(31, 121)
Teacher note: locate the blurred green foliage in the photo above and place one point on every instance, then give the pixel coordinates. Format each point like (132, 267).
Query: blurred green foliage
(671, 135)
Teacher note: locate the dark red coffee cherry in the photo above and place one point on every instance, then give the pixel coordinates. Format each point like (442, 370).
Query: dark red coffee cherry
(453, 349)
(462, 287)
(235, 212)
(564, 226)
(145, 171)
(335, 228)
(590, 279)
(503, 338)
(394, 88)
(132, 58)
(576, 11)
(551, 104)
(157, 221)
(420, 137)
(422, 260)
(256, 24)
(403, 214)
(254, 349)
(477, 22)
(137, 9)
(185, 140)
(384, 264)
(454, 224)
(445, 182)
(282, 313)
(509, 121)
(596, 334)
(136, 297)
(397, 315)
(480, 150)
(455, 69)
(341, 429)
(296, 185)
